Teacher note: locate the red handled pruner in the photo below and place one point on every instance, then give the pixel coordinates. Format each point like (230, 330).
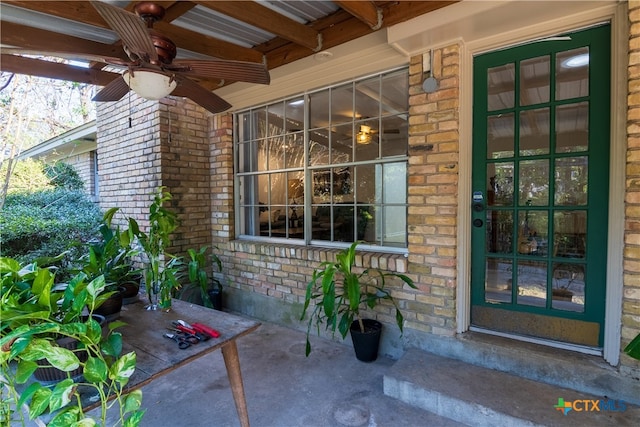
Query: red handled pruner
(206, 330)
(186, 328)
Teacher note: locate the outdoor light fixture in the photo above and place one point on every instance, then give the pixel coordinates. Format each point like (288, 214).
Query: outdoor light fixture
(149, 84)
(364, 136)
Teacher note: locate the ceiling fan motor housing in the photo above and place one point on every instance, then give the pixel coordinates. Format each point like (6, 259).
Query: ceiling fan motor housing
(150, 12)
(165, 48)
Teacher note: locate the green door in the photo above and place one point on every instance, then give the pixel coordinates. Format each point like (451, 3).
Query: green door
(540, 188)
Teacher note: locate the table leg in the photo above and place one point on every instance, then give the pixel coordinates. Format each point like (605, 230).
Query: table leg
(232, 363)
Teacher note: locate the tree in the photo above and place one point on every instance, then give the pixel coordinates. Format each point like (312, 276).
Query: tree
(34, 109)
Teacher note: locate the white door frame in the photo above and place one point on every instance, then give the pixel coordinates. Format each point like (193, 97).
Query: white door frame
(617, 15)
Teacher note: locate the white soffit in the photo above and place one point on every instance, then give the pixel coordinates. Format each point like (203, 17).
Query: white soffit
(360, 57)
(471, 20)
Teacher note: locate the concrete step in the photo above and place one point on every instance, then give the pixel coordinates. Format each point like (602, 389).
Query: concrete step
(479, 396)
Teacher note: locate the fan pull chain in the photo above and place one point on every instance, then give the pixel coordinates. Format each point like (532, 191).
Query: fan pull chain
(130, 121)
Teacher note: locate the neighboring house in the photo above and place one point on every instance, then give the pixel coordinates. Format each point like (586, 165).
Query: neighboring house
(516, 174)
(76, 147)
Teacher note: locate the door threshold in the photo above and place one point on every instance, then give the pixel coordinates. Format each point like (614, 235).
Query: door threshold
(593, 351)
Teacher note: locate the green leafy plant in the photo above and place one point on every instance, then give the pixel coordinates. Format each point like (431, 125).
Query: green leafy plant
(110, 255)
(633, 348)
(162, 270)
(339, 293)
(34, 315)
(47, 223)
(197, 269)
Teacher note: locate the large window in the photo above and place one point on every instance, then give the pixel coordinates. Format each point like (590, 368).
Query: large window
(328, 165)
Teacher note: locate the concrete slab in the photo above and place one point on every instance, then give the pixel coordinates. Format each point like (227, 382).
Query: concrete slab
(479, 396)
(283, 388)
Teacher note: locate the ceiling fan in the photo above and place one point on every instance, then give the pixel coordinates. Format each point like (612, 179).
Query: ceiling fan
(152, 71)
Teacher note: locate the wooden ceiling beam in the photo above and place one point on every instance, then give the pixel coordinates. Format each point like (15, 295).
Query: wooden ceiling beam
(31, 38)
(364, 11)
(186, 39)
(266, 19)
(54, 70)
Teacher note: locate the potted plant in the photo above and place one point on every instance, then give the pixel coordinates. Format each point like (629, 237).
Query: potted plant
(210, 289)
(110, 257)
(339, 293)
(161, 269)
(35, 315)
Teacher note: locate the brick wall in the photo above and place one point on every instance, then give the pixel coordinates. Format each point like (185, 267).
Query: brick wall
(282, 271)
(129, 151)
(143, 145)
(433, 190)
(631, 295)
(84, 165)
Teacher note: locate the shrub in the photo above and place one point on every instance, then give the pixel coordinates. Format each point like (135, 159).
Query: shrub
(46, 223)
(63, 175)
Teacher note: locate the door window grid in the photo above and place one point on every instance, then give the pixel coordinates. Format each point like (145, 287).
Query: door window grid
(532, 122)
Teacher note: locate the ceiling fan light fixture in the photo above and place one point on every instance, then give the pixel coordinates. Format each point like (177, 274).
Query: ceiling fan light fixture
(364, 136)
(150, 85)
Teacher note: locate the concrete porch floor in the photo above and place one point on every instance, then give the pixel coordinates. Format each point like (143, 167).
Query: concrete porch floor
(331, 387)
(283, 388)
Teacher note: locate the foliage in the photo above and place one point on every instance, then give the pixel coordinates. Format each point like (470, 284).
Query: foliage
(63, 175)
(46, 223)
(110, 255)
(27, 175)
(197, 269)
(633, 348)
(339, 293)
(162, 270)
(34, 312)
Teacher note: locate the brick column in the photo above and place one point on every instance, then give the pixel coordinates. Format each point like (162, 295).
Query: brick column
(433, 189)
(631, 295)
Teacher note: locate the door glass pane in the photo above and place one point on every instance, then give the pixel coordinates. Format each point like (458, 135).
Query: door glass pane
(532, 283)
(500, 185)
(500, 136)
(534, 183)
(499, 231)
(571, 175)
(501, 85)
(498, 280)
(534, 132)
(572, 128)
(533, 232)
(572, 73)
(570, 228)
(534, 80)
(568, 286)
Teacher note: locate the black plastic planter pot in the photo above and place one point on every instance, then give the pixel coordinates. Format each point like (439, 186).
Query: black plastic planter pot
(215, 296)
(366, 344)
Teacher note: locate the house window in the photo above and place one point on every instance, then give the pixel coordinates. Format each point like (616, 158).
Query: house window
(328, 165)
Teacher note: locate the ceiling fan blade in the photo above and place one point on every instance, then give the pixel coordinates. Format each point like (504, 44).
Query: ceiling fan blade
(72, 56)
(131, 30)
(237, 71)
(200, 95)
(114, 91)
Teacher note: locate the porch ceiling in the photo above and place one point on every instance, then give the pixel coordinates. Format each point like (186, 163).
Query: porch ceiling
(277, 32)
